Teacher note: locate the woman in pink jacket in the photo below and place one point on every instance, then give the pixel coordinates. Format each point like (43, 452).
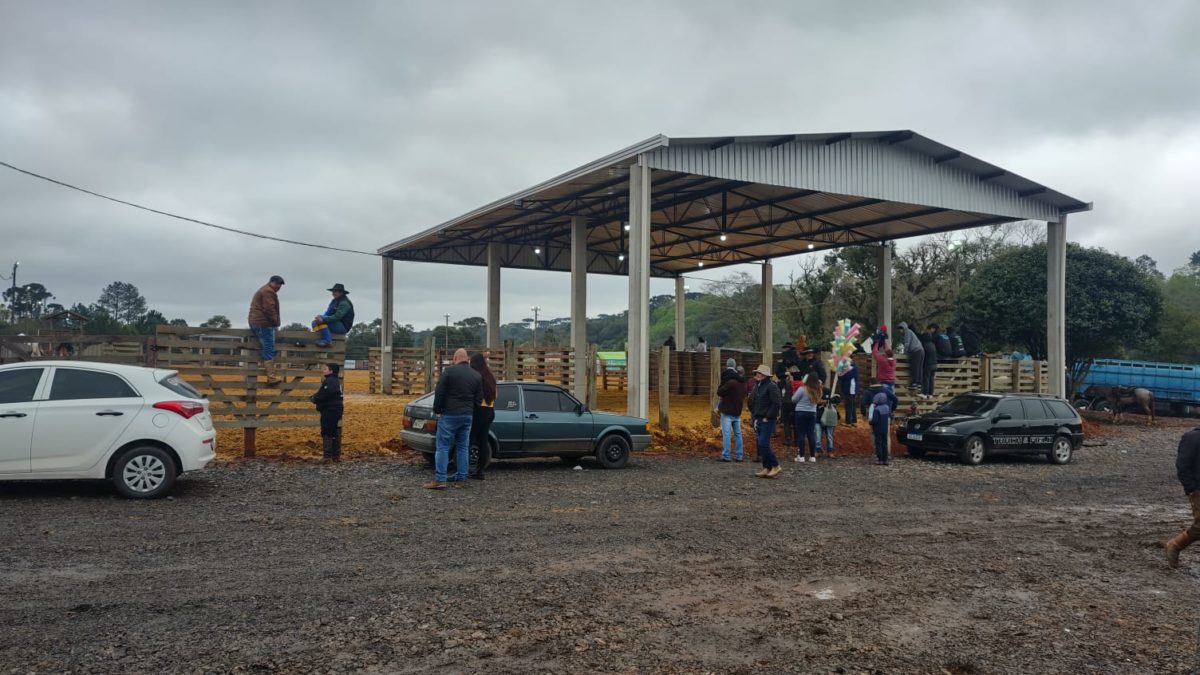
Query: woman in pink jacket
(885, 366)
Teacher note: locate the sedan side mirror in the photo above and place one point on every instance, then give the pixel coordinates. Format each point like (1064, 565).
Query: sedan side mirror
(1001, 417)
(580, 408)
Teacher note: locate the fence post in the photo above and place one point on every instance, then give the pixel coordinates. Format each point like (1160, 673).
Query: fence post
(1037, 377)
(1016, 375)
(510, 360)
(248, 437)
(714, 377)
(664, 388)
(590, 374)
(430, 363)
(604, 374)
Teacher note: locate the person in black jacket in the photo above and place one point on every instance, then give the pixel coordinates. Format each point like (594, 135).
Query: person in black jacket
(764, 411)
(328, 400)
(1187, 468)
(929, 344)
(458, 393)
(970, 340)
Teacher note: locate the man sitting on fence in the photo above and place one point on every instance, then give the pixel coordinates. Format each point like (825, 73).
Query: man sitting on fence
(458, 393)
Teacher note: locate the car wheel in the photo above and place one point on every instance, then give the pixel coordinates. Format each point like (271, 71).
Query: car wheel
(1082, 404)
(916, 452)
(1060, 452)
(144, 472)
(1101, 405)
(613, 452)
(973, 451)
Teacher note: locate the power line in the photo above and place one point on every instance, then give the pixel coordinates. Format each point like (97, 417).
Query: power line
(184, 218)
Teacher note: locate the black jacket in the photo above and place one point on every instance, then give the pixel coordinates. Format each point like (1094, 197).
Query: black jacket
(970, 340)
(329, 396)
(765, 400)
(1187, 462)
(459, 391)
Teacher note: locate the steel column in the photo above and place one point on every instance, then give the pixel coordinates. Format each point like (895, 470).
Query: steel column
(1056, 305)
(579, 342)
(636, 352)
(387, 325)
(767, 328)
(680, 312)
(493, 295)
(885, 289)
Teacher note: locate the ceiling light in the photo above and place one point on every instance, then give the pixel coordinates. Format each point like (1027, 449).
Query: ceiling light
(538, 251)
(702, 263)
(620, 256)
(723, 237)
(626, 227)
(810, 247)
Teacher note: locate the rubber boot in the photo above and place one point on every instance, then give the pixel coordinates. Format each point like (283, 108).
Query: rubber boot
(328, 453)
(1180, 542)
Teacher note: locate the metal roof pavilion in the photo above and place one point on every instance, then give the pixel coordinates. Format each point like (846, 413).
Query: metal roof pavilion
(667, 206)
(720, 201)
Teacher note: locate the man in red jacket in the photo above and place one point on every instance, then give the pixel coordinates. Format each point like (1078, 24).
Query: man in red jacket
(1187, 468)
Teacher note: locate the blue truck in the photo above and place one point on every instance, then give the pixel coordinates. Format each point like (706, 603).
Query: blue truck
(1176, 386)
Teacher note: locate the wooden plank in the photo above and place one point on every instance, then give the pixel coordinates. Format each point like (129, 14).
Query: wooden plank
(266, 423)
(664, 389)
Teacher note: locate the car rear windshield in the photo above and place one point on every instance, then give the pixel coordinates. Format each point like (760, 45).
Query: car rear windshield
(968, 405)
(425, 401)
(180, 386)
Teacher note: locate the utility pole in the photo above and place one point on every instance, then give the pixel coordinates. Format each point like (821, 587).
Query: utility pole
(535, 309)
(12, 307)
(447, 339)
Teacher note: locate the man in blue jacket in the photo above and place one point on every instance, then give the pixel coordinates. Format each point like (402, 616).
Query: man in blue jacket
(1187, 468)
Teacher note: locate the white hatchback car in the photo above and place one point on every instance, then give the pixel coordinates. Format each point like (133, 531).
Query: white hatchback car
(138, 427)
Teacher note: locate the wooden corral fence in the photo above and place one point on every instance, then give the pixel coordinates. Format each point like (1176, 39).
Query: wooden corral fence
(225, 364)
(416, 370)
(613, 375)
(688, 372)
(135, 350)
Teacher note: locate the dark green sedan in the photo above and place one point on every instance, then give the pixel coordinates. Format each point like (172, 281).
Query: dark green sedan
(537, 420)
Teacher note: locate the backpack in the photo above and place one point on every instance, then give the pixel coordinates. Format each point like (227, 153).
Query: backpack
(943, 345)
(881, 409)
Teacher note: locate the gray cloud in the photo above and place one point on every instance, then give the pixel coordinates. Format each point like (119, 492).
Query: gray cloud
(357, 124)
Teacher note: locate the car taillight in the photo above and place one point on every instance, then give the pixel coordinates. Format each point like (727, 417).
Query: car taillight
(406, 422)
(185, 409)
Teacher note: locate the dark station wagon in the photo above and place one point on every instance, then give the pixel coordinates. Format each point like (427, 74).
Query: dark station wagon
(537, 420)
(973, 426)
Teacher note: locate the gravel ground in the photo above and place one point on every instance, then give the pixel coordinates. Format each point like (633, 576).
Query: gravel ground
(667, 566)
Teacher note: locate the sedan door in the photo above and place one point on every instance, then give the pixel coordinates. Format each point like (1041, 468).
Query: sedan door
(1040, 423)
(509, 424)
(1009, 433)
(84, 415)
(18, 408)
(552, 425)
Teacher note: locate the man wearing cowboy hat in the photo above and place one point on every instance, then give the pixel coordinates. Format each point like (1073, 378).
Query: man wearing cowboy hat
(764, 412)
(338, 318)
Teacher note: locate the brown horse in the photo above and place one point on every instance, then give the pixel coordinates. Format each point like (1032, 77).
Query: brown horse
(1141, 399)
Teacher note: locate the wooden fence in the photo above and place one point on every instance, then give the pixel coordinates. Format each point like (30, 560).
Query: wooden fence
(688, 372)
(136, 350)
(415, 370)
(226, 365)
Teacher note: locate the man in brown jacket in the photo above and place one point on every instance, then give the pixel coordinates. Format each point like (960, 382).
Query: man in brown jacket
(732, 399)
(264, 319)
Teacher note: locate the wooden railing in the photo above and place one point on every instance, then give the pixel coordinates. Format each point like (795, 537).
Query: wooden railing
(226, 365)
(415, 370)
(136, 350)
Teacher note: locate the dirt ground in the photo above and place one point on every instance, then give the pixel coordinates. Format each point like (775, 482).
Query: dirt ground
(670, 565)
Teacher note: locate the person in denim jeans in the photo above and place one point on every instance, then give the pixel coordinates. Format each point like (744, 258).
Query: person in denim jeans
(263, 320)
(731, 399)
(764, 409)
(458, 393)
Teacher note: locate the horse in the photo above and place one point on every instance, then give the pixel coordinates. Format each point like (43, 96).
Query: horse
(1123, 397)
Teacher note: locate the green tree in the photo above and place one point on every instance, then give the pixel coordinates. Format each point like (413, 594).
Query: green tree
(1181, 316)
(295, 325)
(217, 321)
(123, 302)
(1111, 304)
(181, 323)
(101, 322)
(149, 322)
(27, 301)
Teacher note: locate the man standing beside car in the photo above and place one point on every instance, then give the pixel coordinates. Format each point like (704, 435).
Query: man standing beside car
(264, 319)
(458, 393)
(1187, 467)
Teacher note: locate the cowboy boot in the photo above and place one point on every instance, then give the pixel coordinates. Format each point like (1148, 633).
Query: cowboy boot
(272, 376)
(337, 448)
(1176, 545)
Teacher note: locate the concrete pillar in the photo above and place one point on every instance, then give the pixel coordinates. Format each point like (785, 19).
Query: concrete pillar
(579, 341)
(636, 354)
(885, 289)
(680, 313)
(386, 325)
(1056, 305)
(493, 296)
(767, 328)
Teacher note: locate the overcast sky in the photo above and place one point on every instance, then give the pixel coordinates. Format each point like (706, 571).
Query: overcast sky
(357, 123)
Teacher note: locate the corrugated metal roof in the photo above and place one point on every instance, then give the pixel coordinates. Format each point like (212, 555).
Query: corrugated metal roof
(770, 196)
